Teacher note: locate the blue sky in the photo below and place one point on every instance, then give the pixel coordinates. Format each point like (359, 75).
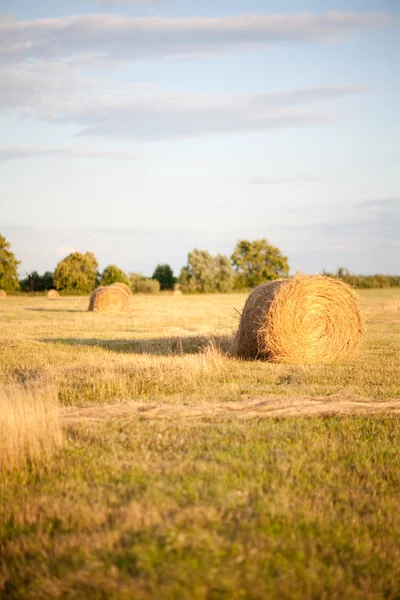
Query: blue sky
(141, 130)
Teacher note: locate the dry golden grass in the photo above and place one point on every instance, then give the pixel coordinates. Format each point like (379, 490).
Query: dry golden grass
(30, 427)
(155, 352)
(303, 320)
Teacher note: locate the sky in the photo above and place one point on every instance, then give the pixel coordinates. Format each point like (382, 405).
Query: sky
(140, 130)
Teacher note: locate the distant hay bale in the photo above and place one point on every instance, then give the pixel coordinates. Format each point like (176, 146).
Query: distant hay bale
(3, 294)
(53, 294)
(305, 319)
(93, 295)
(177, 290)
(123, 286)
(110, 299)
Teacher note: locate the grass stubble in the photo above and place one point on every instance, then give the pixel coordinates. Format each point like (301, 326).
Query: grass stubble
(175, 475)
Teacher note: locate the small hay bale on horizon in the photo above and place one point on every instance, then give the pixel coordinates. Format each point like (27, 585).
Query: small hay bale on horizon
(3, 294)
(177, 290)
(306, 319)
(123, 286)
(109, 299)
(53, 294)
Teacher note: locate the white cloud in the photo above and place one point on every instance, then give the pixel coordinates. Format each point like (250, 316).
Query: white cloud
(41, 73)
(57, 92)
(114, 2)
(374, 221)
(163, 115)
(112, 37)
(20, 152)
(282, 180)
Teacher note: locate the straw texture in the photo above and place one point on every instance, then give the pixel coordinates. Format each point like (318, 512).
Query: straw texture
(123, 286)
(109, 299)
(305, 319)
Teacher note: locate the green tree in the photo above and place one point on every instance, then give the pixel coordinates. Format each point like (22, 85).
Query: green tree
(364, 281)
(224, 273)
(77, 273)
(258, 261)
(186, 281)
(112, 274)
(205, 273)
(8, 267)
(165, 275)
(199, 275)
(34, 282)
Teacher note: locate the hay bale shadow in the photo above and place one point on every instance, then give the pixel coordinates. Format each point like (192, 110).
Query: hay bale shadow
(164, 346)
(53, 310)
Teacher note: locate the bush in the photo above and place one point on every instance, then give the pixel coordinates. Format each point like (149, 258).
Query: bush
(143, 285)
(364, 281)
(148, 286)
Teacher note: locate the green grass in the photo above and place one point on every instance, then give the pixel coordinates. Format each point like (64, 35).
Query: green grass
(205, 506)
(293, 508)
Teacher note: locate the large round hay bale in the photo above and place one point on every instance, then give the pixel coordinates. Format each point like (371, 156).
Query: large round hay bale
(3, 294)
(305, 319)
(110, 299)
(123, 286)
(52, 294)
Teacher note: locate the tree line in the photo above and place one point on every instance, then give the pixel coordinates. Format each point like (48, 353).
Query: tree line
(78, 273)
(251, 263)
(365, 281)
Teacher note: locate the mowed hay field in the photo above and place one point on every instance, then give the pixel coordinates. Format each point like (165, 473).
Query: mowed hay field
(185, 473)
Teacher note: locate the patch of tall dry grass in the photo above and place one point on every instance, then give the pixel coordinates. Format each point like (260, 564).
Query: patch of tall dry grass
(30, 426)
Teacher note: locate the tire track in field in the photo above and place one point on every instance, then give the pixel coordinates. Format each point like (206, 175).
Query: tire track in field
(255, 408)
